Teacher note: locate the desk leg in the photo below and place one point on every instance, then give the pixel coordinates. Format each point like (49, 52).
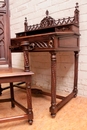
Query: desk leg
(75, 72)
(53, 84)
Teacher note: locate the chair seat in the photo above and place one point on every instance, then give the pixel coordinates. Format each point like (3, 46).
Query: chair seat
(11, 72)
(10, 75)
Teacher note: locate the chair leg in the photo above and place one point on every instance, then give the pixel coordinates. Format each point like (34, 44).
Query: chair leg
(29, 103)
(12, 95)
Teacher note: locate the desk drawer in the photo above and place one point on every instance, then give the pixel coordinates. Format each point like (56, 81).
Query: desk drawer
(68, 42)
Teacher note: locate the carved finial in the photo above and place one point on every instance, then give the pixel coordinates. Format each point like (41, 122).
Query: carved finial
(76, 14)
(76, 6)
(47, 13)
(25, 24)
(47, 21)
(25, 18)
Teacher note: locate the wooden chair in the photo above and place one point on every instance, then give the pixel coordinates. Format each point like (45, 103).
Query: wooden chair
(9, 74)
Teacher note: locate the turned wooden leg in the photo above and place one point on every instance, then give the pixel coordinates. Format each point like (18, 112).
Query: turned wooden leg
(29, 103)
(75, 90)
(12, 95)
(25, 46)
(53, 84)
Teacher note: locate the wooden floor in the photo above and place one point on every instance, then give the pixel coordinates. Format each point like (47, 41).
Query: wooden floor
(73, 116)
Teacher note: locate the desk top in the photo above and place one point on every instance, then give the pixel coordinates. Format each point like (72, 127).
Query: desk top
(50, 34)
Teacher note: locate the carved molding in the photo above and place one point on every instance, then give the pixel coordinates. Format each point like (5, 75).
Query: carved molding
(48, 21)
(2, 4)
(41, 44)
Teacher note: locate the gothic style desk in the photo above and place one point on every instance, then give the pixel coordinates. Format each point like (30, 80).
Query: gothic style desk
(52, 36)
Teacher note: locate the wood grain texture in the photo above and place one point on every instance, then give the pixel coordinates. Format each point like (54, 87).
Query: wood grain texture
(75, 119)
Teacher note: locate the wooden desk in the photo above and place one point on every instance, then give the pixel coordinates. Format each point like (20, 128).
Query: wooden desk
(56, 37)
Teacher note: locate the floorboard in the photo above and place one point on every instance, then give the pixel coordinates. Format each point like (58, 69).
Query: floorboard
(72, 116)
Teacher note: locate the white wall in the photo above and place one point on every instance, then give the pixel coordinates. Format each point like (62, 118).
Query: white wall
(34, 10)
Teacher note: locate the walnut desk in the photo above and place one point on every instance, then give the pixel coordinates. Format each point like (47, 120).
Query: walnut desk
(52, 36)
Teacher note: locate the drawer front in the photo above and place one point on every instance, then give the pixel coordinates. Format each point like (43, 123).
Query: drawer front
(68, 42)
